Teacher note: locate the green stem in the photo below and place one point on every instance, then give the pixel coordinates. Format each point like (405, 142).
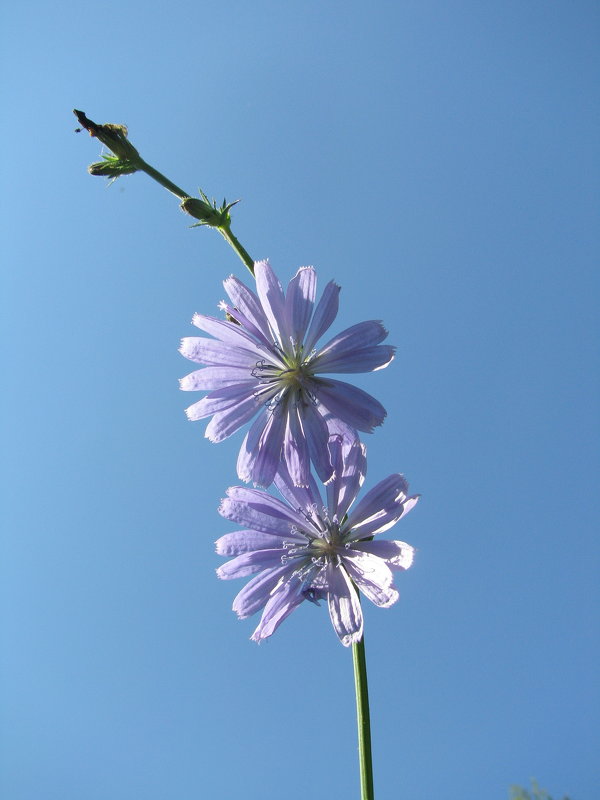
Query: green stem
(160, 178)
(242, 253)
(363, 720)
(115, 137)
(224, 230)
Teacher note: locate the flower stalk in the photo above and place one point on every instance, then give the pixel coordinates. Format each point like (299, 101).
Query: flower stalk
(127, 160)
(363, 720)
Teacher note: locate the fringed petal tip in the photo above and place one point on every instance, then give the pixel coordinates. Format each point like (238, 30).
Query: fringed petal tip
(221, 508)
(394, 595)
(300, 484)
(393, 349)
(330, 479)
(407, 558)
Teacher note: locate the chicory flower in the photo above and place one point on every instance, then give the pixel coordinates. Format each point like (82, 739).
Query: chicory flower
(265, 362)
(301, 548)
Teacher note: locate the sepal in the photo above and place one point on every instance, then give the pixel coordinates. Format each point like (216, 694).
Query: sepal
(112, 167)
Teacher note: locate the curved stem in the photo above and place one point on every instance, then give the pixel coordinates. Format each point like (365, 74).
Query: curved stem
(363, 720)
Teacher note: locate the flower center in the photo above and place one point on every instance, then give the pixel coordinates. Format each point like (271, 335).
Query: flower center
(293, 378)
(322, 547)
(328, 545)
(318, 549)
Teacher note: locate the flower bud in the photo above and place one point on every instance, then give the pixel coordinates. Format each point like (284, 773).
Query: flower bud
(112, 167)
(205, 212)
(112, 136)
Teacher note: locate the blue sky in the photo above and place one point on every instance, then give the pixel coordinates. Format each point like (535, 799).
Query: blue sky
(440, 161)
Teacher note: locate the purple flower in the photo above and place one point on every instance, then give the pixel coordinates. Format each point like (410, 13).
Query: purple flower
(265, 363)
(303, 549)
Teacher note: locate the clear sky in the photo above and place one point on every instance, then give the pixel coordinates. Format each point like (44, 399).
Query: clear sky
(440, 161)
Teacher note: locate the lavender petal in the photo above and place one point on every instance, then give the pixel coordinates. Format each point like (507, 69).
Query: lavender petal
(218, 354)
(385, 495)
(257, 591)
(279, 606)
(265, 503)
(247, 302)
(223, 399)
(363, 334)
(224, 423)
(317, 436)
(263, 448)
(295, 449)
(325, 312)
(383, 520)
(344, 606)
(238, 542)
(366, 359)
(299, 497)
(272, 299)
(350, 466)
(261, 521)
(299, 302)
(372, 576)
(397, 555)
(247, 324)
(249, 563)
(350, 404)
(209, 378)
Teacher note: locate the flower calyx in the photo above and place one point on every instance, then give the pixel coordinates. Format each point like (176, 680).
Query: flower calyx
(112, 167)
(207, 211)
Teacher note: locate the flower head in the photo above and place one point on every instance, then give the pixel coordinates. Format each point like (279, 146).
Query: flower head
(264, 362)
(304, 549)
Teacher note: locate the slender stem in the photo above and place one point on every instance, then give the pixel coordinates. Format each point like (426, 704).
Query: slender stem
(363, 720)
(235, 244)
(160, 178)
(115, 138)
(225, 231)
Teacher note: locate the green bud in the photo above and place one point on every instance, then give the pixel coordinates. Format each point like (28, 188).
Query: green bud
(207, 211)
(112, 167)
